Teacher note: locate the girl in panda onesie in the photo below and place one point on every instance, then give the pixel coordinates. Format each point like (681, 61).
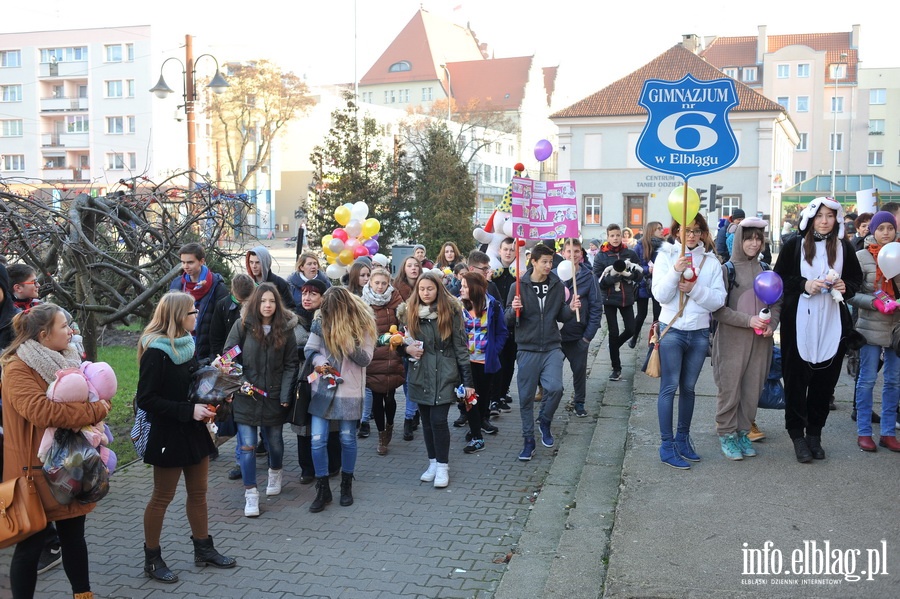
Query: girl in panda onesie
(812, 341)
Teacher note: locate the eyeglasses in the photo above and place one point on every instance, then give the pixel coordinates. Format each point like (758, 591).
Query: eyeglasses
(193, 312)
(35, 283)
(484, 269)
(693, 232)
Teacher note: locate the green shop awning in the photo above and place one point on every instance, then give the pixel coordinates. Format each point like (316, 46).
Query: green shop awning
(846, 187)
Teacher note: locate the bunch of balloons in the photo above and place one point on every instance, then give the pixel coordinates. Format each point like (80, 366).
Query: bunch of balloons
(357, 236)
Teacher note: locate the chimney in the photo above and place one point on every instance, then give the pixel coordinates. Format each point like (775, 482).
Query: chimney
(762, 44)
(854, 38)
(691, 41)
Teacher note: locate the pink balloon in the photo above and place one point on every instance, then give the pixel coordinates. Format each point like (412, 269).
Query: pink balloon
(360, 251)
(542, 150)
(339, 233)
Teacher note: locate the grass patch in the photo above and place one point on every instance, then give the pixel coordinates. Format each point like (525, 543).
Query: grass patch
(124, 362)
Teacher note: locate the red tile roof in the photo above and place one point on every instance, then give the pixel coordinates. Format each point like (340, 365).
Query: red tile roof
(496, 84)
(621, 97)
(426, 43)
(741, 51)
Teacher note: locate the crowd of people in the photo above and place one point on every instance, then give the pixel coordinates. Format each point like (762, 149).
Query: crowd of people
(328, 357)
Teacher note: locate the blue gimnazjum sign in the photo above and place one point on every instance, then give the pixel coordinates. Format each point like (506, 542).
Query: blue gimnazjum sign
(687, 131)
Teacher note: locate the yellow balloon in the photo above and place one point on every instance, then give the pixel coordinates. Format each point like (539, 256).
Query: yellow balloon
(327, 251)
(342, 215)
(345, 257)
(370, 227)
(330, 258)
(676, 204)
(326, 239)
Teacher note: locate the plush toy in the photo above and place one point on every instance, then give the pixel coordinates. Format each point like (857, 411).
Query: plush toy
(330, 374)
(392, 338)
(90, 382)
(830, 278)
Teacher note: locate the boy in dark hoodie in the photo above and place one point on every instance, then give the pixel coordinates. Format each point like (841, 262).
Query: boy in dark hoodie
(258, 262)
(541, 305)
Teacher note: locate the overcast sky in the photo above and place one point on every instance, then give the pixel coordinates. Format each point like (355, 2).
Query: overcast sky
(316, 39)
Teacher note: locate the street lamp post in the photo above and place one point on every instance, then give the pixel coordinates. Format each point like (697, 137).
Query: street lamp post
(837, 75)
(449, 93)
(189, 94)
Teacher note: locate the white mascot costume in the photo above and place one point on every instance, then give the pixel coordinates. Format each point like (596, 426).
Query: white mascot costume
(499, 227)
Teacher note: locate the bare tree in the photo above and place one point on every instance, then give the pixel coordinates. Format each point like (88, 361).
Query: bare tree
(260, 100)
(108, 259)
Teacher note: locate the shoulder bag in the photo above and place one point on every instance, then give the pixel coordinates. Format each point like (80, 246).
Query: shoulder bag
(651, 362)
(21, 511)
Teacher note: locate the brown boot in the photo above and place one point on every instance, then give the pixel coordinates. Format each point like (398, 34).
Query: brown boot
(382, 443)
(87, 595)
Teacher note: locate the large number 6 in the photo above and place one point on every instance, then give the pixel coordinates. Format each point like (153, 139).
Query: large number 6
(668, 131)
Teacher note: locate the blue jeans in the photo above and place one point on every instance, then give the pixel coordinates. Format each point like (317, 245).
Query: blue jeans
(865, 385)
(681, 357)
(367, 406)
(318, 430)
(248, 438)
(411, 406)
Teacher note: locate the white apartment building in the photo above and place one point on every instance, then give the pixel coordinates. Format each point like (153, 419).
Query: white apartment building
(76, 113)
(880, 89)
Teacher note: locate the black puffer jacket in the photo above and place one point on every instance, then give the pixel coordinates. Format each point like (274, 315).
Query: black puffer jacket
(617, 289)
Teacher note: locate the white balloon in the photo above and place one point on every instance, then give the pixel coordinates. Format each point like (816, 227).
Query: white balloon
(335, 271)
(353, 228)
(889, 259)
(359, 211)
(564, 270)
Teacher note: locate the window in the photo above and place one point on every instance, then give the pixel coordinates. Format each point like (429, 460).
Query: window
(71, 54)
(508, 174)
(117, 161)
(129, 85)
(784, 71)
(836, 143)
(130, 124)
(730, 204)
(749, 74)
(112, 53)
(78, 123)
(511, 150)
(593, 212)
(838, 71)
(404, 95)
(368, 97)
(14, 162)
(876, 158)
(390, 96)
(427, 94)
(11, 128)
(802, 144)
(877, 96)
(730, 72)
(11, 93)
(799, 177)
(397, 67)
(487, 173)
(802, 103)
(876, 126)
(10, 58)
(785, 102)
(837, 104)
(803, 70)
(82, 91)
(114, 125)
(113, 89)
(498, 148)
(129, 52)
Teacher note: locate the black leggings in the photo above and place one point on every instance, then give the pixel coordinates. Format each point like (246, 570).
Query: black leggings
(24, 564)
(436, 431)
(641, 316)
(384, 408)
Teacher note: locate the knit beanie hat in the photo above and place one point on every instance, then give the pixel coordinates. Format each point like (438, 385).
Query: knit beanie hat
(418, 246)
(880, 218)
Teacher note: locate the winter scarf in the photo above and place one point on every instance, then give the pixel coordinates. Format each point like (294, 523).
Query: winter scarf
(183, 347)
(199, 289)
(377, 299)
(428, 312)
(46, 362)
(881, 282)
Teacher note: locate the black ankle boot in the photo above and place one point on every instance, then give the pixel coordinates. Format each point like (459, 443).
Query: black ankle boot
(155, 567)
(408, 429)
(346, 489)
(205, 553)
(323, 495)
(815, 446)
(416, 421)
(801, 449)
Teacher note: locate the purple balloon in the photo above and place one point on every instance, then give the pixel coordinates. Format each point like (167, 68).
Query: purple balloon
(542, 150)
(768, 287)
(371, 245)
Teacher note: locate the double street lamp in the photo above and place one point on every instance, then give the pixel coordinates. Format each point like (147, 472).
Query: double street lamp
(189, 94)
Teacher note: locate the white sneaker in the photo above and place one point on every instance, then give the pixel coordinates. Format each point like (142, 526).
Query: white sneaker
(428, 475)
(273, 487)
(442, 476)
(251, 507)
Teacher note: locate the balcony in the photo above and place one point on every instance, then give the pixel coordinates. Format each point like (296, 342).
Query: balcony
(63, 104)
(64, 174)
(64, 140)
(63, 69)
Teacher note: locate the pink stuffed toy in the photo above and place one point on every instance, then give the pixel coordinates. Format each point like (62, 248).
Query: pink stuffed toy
(91, 382)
